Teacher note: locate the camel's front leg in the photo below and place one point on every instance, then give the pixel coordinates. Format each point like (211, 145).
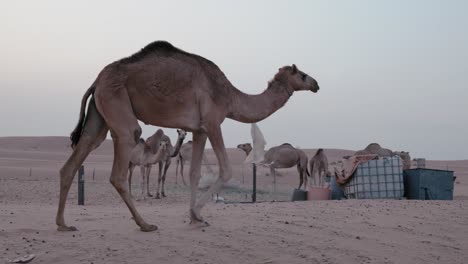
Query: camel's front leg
(142, 182)
(166, 166)
(148, 172)
(199, 141)
(225, 170)
(158, 184)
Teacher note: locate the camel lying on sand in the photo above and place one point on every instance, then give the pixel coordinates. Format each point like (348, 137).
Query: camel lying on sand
(286, 156)
(375, 148)
(164, 86)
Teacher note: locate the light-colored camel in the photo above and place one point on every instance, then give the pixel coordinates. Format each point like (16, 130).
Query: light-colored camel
(246, 147)
(287, 156)
(164, 86)
(405, 156)
(165, 161)
(185, 154)
(148, 148)
(137, 157)
(318, 165)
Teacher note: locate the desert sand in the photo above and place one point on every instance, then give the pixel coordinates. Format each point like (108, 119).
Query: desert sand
(347, 231)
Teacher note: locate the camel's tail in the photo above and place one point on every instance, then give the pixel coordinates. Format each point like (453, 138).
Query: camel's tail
(76, 134)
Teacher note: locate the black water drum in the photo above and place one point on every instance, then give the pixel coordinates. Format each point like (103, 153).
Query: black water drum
(299, 195)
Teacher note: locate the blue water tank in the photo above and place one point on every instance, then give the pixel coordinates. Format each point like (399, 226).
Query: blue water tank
(428, 184)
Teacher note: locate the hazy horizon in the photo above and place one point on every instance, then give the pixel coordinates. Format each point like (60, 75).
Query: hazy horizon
(391, 72)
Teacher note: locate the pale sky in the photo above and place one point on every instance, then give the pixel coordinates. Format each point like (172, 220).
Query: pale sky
(392, 72)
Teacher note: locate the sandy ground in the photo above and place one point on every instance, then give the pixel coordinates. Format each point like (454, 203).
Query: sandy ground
(352, 231)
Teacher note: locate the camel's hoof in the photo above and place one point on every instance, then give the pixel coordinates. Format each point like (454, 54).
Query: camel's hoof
(148, 228)
(163, 194)
(198, 224)
(66, 228)
(196, 220)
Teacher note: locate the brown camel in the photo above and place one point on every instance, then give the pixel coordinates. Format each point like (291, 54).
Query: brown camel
(246, 147)
(318, 167)
(286, 156)
(164, 86)
(148, 148)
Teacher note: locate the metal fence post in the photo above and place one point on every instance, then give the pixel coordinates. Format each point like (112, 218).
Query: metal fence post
(81, 186)
(254, 183)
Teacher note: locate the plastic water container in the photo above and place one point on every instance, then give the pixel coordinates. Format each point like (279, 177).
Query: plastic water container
(377, 179)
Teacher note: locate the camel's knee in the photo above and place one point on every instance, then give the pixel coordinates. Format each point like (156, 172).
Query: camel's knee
(119, 185)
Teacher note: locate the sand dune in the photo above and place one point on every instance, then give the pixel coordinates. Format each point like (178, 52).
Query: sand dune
(353, 231)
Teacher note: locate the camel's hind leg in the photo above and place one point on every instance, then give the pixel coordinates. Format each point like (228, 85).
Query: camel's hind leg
(199, 141)
(118, 113)
(94, 132)
(301, 177)
(225, 170)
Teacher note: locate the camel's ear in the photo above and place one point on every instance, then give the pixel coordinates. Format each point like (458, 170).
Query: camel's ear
(294, 69)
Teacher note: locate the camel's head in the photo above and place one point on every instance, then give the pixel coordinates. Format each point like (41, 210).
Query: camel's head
(163, 144)
(298, 80)
(181, 134)
(246, 147)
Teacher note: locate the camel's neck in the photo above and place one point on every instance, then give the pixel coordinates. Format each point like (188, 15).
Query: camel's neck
(154, 158)
(175, 151)
(247, 151)
(253, 108)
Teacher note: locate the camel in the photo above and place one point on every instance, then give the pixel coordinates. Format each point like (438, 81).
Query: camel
(185, 154)
(165, 161)
(137, 156)
(375, 148)
(318, 165)
(286, 156)
(405, 156)
(246, 147)
(148, 148)
(164, 86)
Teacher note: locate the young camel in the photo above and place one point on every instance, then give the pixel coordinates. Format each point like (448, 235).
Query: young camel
(185, 154)
(149, 158)
(150, 147)
(246, 147)
(164, 86)
(166, 161)
(318, 167)
(286, 156)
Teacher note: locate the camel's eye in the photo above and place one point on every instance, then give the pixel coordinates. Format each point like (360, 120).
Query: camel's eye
(303, 77)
